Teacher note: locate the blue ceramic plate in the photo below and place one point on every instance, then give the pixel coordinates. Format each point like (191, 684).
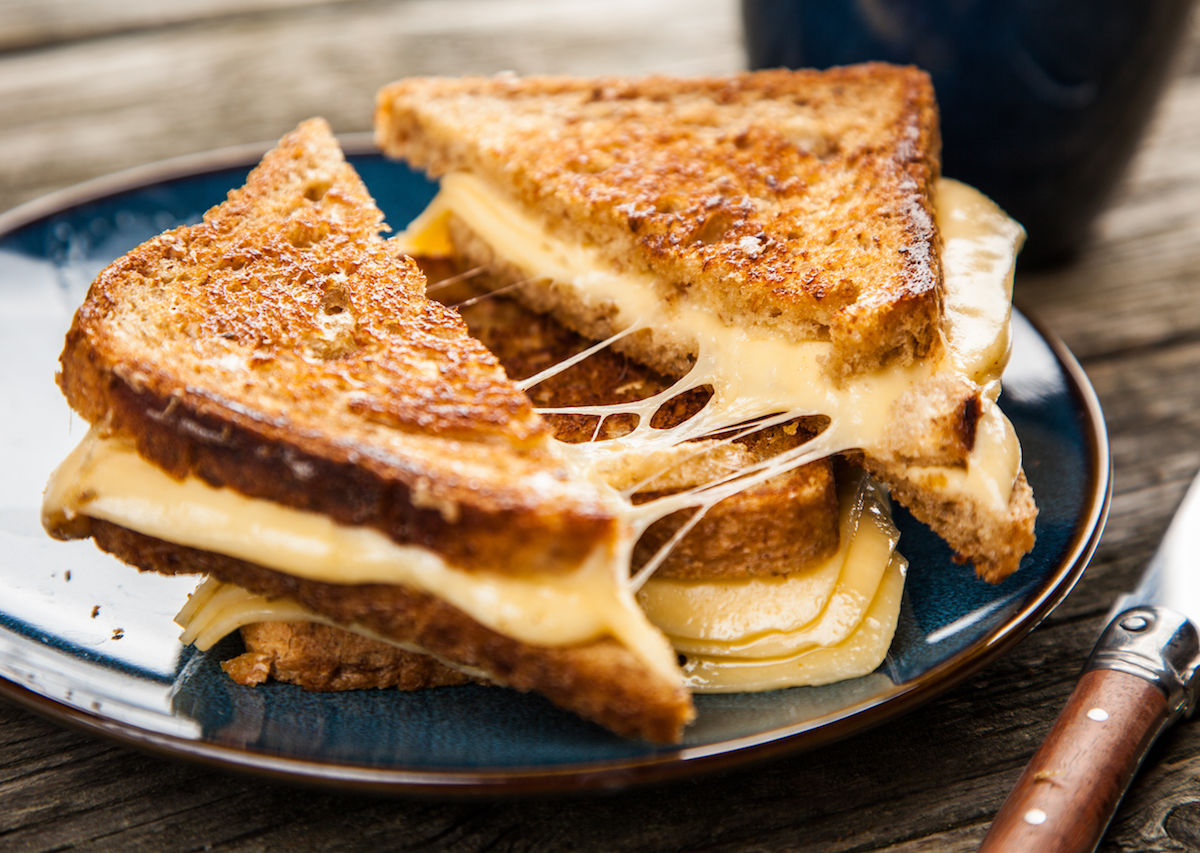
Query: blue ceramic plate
(89, 641)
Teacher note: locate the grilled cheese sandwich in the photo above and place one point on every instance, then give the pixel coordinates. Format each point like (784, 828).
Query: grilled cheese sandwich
(729, 232)
(808, 615)
(786, 303)
(276, 403)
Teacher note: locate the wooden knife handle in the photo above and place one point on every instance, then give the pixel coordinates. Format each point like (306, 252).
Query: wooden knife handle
(1067, 795)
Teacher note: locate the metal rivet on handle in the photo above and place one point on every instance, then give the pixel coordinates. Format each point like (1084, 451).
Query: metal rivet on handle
(1035, 817)
(1135, 623)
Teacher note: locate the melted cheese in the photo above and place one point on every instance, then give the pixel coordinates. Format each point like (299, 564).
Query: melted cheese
(104, 478)
(760, 634)
(768, 633)
(756, 373)
(858, 654)
(831, 633)
(979, 255)
(770, 617)
(217, 609)
(994, 464)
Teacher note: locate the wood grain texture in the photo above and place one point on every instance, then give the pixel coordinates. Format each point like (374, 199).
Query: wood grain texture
(1066, 796)
(86, 107)
(98, 87)
(30, 24)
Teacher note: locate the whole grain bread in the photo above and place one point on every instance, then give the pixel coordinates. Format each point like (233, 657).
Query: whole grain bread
(323, 658)
(706, 183)
(282, 349)
(599, 680)
(279, 345)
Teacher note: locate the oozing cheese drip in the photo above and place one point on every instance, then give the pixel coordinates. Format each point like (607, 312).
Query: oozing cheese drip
(765, 617)
(106, 479)
(832, 622)
(756, 634)
(860, 653)
(757, 375)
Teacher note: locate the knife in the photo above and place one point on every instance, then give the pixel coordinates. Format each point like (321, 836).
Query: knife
(1139, 679)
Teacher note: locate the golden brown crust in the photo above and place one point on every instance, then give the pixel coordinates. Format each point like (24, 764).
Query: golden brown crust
(799, 197)
(321, 657)
(281, 344)
(992, 542)
(600, 680)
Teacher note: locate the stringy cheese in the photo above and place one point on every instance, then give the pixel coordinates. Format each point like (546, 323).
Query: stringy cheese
(755, 374)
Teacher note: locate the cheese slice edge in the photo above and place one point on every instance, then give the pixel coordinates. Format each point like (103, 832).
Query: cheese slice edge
(105, 478)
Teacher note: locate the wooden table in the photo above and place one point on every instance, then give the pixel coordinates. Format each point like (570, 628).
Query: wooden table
(90, 88)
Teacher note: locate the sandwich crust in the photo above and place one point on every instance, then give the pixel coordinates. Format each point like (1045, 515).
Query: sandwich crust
(992, 541)
(600, 680)
(280, 348)
(323, 658)
(707, 184)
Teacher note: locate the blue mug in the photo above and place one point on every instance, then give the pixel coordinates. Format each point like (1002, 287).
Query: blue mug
(1042, 101)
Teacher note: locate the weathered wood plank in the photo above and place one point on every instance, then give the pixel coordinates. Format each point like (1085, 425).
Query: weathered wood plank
(92, 108)
(1150, 401)
(898, 775)
(26, 24)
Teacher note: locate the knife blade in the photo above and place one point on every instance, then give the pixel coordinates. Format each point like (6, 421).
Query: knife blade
(1139, 678)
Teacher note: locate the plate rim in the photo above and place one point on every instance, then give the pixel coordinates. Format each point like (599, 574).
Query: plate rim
(593, 776)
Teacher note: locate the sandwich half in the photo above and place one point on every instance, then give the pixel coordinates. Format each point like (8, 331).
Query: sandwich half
(275, 403)
(782, 240)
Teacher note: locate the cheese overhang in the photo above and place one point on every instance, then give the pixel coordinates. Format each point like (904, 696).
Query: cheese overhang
(860, 653)
(105, 478)
(757, 375)
(832, 622)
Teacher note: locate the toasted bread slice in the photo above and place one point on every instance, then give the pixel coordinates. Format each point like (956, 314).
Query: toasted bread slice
(706, 183)
(280, 352)
(324, 658)
(796, 209)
